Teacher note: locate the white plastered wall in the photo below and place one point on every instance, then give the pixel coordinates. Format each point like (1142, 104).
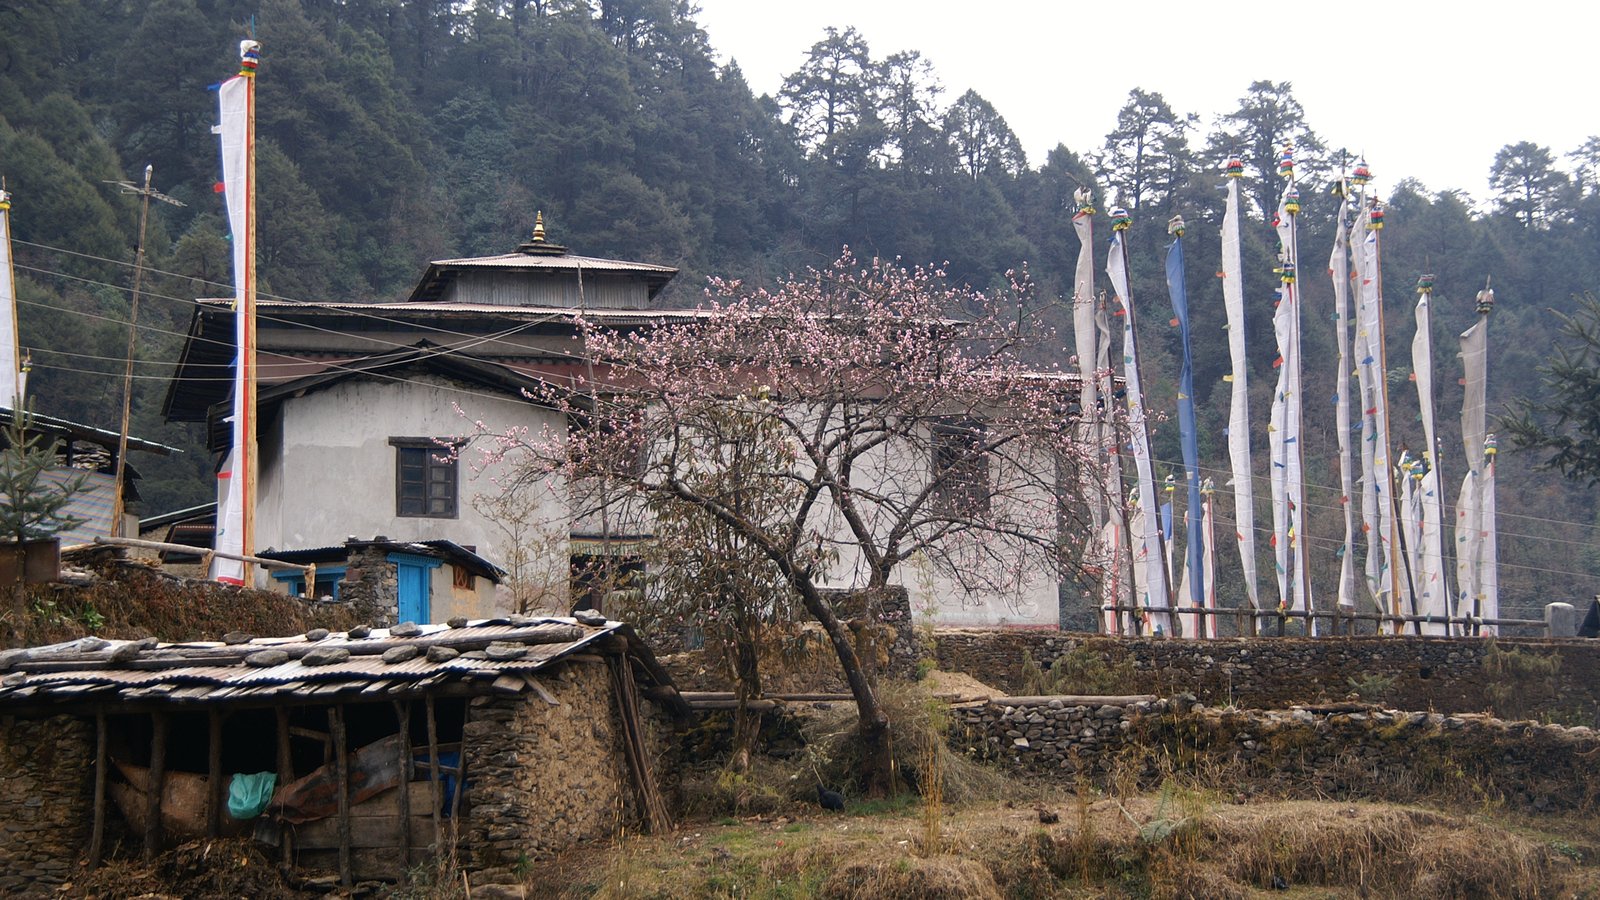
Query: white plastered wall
(328, 469)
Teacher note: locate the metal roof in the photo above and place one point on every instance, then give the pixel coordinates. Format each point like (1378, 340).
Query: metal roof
(89, 433)
(567, 261)
(441, 272)
(399, 309)
(204, 672)
(450, 550)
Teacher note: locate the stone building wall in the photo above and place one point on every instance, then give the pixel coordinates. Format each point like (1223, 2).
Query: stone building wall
(1442, 674)
(1346, 752)
(371, 586)
(547, 777)
(46, 798)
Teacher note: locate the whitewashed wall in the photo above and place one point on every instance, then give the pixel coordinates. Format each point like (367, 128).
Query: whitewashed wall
(342, 480)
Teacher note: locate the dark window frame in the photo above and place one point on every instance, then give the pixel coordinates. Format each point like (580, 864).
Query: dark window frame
(438, 469)
(960, 466)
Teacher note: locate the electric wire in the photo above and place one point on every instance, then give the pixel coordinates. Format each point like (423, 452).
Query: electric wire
(480, 339)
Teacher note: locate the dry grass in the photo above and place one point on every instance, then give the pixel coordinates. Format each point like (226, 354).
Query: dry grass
(1102, 848)
(911, 878)
(1385, 849)
(136, 604)
(914, 718)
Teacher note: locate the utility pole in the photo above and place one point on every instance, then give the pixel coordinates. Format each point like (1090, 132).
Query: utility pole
(146, 193)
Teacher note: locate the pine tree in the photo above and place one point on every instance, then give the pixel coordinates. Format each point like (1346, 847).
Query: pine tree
(32, 505)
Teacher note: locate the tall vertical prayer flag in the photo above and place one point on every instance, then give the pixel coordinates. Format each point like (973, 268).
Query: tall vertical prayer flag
(1148, 544)
(1378, 510)
(12, 378)
(1100, 553)
(1116, 530)
(1244, 514)
(1476, 581)
(1188, 437)
(1339, 271)
(1432, 596)
(1288, 482)
(236, 480)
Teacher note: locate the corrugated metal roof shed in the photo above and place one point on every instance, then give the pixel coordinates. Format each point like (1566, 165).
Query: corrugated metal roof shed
(478, 655)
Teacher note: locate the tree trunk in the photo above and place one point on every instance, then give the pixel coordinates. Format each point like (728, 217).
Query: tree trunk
(747, 687)
(872, 723)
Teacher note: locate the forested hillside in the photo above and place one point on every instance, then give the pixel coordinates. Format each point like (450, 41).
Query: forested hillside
(395, 132)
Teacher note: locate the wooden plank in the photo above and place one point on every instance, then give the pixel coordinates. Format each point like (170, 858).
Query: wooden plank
(342, 773)
(402, 715)
(539, 688)
(435, 799)
(97, 834)
(753, 705)
(1077, 700)
(366, 864)
(366, 832)
(389, 802)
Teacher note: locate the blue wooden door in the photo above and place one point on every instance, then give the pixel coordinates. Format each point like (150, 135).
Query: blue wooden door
(413, 575)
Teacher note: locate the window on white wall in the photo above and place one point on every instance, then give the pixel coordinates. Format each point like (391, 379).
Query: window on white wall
(424, 478)
(960, 468)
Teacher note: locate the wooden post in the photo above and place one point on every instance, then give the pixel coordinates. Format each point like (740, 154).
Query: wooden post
(214, 775)
(154, 785)
(342, 772)
(402, 714)
(97, 835)
(433, 773)
(285, 776)
(455, 797)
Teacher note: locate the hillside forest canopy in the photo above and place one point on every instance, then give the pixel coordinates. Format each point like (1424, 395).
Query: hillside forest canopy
(392, 133)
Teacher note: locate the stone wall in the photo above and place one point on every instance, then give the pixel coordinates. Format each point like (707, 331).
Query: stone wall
(548, 777)
(370, 585)
(1442, 674)
(1346, 752)
(46, 798)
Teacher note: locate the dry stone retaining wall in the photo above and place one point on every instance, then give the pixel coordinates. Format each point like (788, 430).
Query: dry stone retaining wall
(1441, 674)
(46, 793)
(1346, 752)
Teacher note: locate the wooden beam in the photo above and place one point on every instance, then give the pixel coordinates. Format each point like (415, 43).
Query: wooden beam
(97, 834)
(342, 772)
(433, 773)
(156, 786)
(402, 714)
(285, 776)
(214, 774)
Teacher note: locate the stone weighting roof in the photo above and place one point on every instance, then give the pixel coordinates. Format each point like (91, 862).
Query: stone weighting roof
(491, 655)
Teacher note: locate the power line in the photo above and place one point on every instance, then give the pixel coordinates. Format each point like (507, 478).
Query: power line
(475, 339)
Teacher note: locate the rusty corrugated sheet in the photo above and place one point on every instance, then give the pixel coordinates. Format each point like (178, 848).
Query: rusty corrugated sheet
(368, 673)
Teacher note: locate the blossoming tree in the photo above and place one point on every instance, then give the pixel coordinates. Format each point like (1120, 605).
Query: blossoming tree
(901, 422)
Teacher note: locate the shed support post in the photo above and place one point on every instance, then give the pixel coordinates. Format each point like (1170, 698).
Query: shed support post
(402, 714)
(155, 785)
(342, 772)
(97, 836)
(214, 775)
(285, 776)
(433, 774)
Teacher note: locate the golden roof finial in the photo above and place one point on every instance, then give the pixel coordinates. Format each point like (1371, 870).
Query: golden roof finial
(537, 245)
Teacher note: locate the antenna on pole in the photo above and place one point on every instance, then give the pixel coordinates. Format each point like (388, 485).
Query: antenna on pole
(146, 193)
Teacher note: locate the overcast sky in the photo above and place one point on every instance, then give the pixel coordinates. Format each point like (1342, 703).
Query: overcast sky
(1429, 90)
